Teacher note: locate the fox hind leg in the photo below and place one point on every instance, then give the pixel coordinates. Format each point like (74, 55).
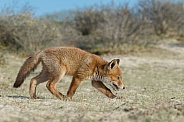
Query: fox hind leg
(42, 77)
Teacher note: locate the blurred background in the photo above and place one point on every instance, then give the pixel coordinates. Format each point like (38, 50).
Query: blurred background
(98, 26)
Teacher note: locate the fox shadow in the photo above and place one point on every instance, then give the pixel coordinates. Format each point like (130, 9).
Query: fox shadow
(24, 97)
(18, 96)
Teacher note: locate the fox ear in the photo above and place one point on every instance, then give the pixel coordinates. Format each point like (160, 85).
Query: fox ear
(113, 63)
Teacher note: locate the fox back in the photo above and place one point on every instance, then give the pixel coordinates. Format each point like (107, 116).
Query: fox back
(69, 57)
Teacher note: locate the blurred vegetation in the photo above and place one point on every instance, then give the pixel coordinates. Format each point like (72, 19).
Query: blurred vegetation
(98, 29)
(23, 32)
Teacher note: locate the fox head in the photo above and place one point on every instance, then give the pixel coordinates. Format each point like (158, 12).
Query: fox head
(112, 74)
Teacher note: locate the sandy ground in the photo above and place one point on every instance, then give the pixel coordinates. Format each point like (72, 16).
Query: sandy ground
(155, 87)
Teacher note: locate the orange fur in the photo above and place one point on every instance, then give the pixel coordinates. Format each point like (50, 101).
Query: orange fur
(58, 61)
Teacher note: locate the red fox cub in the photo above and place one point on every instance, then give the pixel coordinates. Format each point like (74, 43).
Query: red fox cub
(58, 61)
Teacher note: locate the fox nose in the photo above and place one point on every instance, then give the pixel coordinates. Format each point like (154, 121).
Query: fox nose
(122, 87)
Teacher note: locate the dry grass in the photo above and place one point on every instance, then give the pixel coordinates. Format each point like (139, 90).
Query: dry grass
(154, 92)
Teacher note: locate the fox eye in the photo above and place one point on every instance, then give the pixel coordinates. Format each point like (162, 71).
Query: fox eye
(118, 77)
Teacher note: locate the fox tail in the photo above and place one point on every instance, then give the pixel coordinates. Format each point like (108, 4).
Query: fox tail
(28, 66)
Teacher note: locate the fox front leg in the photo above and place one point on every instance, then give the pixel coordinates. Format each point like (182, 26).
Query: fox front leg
(73, 86)
(103, 89)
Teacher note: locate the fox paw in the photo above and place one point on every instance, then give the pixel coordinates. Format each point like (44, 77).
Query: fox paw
(65, 98)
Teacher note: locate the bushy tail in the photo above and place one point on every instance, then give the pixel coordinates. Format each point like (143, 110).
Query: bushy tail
(28, 66)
